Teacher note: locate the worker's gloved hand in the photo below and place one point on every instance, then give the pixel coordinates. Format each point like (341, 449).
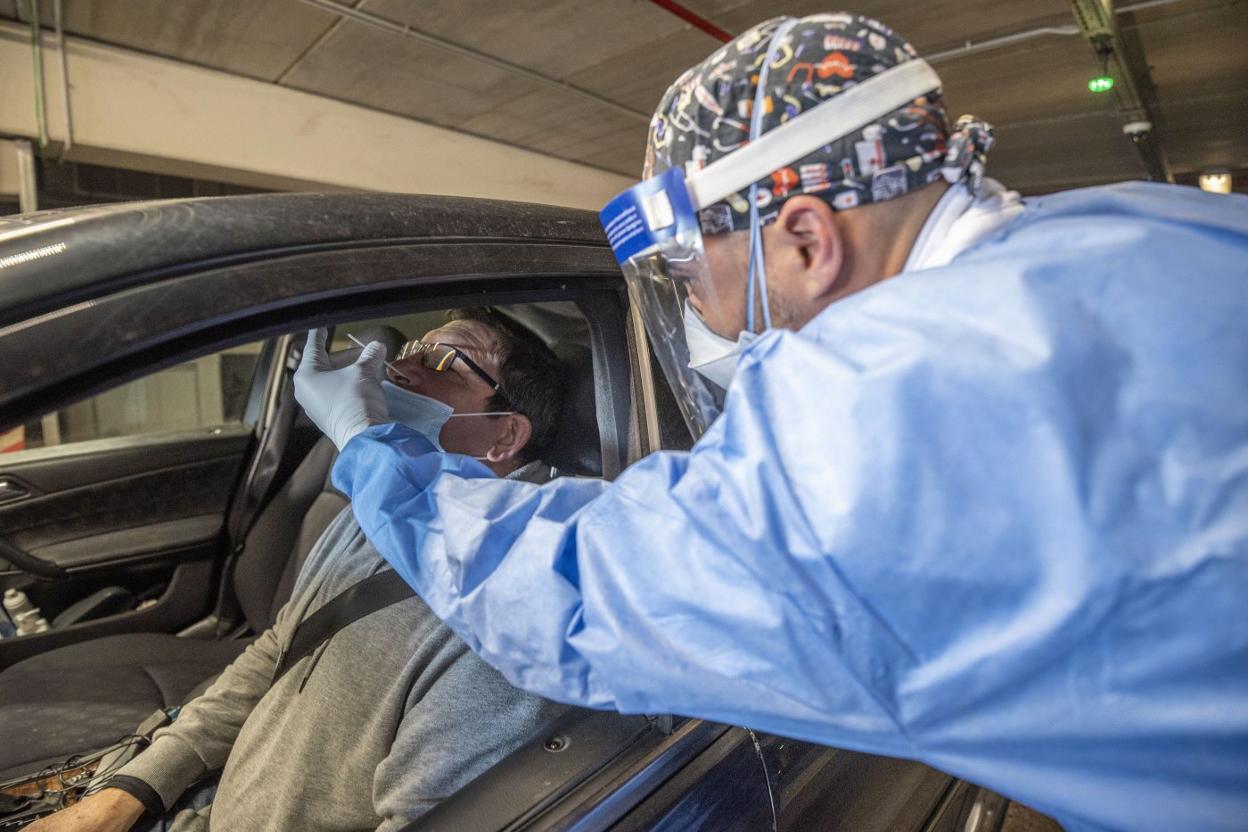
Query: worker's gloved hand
(341, 402)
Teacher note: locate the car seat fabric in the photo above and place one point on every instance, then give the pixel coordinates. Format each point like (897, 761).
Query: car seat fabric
(325, 506)
(291, 522)
(85, 696)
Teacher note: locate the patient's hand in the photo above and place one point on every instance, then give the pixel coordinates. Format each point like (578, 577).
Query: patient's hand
(110, 810)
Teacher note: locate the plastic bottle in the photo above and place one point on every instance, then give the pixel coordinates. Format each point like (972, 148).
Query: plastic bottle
(24, 614)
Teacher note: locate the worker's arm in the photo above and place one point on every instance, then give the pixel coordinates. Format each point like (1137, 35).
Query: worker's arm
(992, 517)
(774, 577)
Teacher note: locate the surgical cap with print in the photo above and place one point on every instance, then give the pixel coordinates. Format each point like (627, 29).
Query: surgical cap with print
(706, 114)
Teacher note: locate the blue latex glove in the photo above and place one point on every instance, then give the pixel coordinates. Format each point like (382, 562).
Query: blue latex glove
(341, 402)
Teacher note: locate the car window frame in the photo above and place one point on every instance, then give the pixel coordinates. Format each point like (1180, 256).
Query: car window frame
(256, 408)
(166, 323)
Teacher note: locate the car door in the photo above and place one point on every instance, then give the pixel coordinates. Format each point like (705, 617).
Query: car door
(113, 509)
(106, 307)
(746, 781)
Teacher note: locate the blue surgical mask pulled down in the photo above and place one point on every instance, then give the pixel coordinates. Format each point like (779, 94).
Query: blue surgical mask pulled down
(423, 414)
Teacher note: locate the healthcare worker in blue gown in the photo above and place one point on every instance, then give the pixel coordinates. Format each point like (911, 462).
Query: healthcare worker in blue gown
(976, 493)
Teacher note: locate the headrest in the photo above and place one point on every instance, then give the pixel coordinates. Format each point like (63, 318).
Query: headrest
(387, 335)
(577, 447)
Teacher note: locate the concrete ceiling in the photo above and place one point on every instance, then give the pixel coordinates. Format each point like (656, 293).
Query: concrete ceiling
(1051, 131)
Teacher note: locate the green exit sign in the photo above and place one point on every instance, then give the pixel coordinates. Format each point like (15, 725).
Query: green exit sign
(1102, 83)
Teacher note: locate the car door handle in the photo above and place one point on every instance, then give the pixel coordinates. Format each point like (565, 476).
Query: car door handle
(11, 489)
(30, 564)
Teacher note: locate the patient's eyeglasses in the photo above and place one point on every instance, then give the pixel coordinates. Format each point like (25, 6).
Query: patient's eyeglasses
(441, 357)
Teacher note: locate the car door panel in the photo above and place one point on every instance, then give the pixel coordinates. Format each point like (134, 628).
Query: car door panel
(89, 506)
(151, 539)
(183, 593)
(142, 516)
(60, 467)
(818, 787)
(744, 780)
(722, 788)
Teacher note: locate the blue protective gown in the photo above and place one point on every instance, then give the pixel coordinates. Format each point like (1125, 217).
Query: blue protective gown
(992, 516)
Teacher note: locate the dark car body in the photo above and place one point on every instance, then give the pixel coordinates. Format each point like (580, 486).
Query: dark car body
(92, 298)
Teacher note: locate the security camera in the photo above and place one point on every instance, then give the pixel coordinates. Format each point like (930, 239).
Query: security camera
(1137, 129)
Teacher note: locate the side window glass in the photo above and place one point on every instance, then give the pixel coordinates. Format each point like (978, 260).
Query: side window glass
(208, 392)
(408, 326)
(673, 432)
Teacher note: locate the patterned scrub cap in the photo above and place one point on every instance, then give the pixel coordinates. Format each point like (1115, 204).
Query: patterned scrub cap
(705, 115)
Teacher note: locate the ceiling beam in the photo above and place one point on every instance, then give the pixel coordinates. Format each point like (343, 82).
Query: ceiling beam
(404, 30)
(148, 113)
(1134, 91)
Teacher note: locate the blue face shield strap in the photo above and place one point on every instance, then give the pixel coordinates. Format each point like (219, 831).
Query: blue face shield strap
(758, 271)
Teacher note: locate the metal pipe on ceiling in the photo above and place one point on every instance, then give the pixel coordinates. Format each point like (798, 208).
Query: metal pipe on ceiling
(1144, 4)
(60, 45)
(27, 181)
(1005, 40)
(411, 32)
(36, 51)
(693, 19)
(1069, 29)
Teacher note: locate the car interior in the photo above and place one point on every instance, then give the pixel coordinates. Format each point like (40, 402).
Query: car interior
(164, 530)
(107, 660)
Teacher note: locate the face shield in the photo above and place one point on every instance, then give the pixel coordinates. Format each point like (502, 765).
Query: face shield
(657, 227)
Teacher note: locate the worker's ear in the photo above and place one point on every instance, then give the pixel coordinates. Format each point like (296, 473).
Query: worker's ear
(514, 432)
(809, 241)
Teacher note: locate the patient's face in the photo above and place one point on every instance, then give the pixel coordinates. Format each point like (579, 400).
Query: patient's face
(458, 386)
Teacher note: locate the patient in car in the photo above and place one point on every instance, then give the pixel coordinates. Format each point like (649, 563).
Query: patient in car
(393, 713)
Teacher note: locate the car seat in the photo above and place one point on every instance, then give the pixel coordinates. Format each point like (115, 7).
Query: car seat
(84, 696)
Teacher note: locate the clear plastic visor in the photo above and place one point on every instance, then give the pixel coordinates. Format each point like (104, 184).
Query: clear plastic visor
(656, 235)
(654, 231)
(659, 286)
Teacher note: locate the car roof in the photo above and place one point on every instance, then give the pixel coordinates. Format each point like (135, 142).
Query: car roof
(50, 259)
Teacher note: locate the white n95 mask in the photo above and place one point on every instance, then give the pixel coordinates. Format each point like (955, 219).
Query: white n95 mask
(711, 355)
(423, 414)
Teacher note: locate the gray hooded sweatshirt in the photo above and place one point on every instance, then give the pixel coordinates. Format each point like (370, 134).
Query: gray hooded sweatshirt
(391, 715)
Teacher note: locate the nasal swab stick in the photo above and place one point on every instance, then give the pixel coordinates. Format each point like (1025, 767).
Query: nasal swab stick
(383, 361)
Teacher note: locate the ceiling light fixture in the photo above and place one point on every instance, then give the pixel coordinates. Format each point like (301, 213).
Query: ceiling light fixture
(1103, 82)
(1215, 183)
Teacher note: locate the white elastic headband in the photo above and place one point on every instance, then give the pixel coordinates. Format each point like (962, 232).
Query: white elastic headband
(835, 118)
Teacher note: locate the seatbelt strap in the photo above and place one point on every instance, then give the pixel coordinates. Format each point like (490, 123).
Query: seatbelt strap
(258, 487)
(376, 592)
(267, 460)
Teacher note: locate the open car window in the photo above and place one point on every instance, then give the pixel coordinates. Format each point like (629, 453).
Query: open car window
(207, 392)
